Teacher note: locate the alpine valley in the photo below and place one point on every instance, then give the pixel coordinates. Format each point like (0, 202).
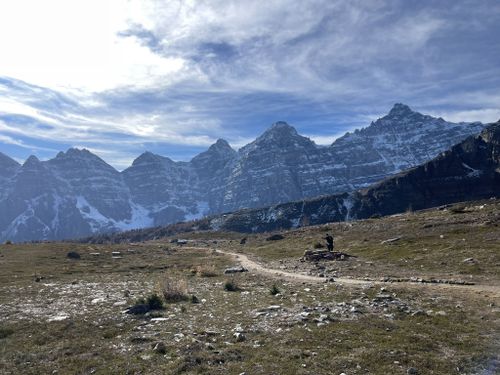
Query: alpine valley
(77, 194)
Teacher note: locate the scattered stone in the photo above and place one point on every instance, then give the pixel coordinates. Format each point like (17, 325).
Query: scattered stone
(317, 255)
(412, 371)
(272, 308)
(382, 297)
(235, 269)
(239, 336)
(390, 240)
(58, 318)
(160, 348)
(469, 260)
(73, 255)
(243, 241)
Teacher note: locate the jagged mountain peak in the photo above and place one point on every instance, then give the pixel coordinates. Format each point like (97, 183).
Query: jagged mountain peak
(220, 149)
(279, 135)
(148, 157)
(75, 158)
(400, 110)
(76, 153)
(281, 128)
(221, 145)
(31, 161)
(8, 162)
(402, 118)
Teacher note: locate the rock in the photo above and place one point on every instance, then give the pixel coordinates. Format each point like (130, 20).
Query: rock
(235, 269)
(239, 336)
(390, 240)
(469, 260)
(138, 309)
(383, 297)
(243, 241)
(412, 371)
(160, 348)
(272, 308)
(73, 255)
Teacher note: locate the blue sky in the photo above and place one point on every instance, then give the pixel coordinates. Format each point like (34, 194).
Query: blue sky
(124, 76)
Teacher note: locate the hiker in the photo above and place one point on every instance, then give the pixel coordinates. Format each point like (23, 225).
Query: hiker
(329, 242)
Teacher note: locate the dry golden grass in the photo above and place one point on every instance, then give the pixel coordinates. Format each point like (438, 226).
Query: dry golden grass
(173, 289)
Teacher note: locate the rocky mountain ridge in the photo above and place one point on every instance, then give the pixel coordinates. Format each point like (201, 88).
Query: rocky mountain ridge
(470, 170)
(77, 194)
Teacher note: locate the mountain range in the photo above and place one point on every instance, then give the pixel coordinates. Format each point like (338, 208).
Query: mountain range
(470, 170)
(77, 194)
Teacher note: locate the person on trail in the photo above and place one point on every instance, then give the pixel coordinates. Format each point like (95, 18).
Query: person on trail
(329, 242)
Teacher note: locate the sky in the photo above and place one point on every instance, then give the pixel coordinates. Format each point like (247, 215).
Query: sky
(120, 77)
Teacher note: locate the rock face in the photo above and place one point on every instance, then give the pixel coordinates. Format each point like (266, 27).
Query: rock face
(470, 170)
(77, 193)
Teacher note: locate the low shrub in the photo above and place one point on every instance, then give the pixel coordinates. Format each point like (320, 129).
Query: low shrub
(275, 237)
(154, 302)
(173, 290)
(230, 286)
(274, 290)
(206, 271)
(73, 255)
(5, 332)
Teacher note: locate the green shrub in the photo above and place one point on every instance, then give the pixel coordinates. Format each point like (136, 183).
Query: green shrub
(5, 332)
(154, 302)
(230, 286)
(274, 290)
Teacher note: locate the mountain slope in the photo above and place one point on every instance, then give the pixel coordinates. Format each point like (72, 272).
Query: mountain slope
(469, 170)
(281, 165)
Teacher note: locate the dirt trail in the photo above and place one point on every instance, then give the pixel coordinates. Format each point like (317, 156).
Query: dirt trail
(492, 290)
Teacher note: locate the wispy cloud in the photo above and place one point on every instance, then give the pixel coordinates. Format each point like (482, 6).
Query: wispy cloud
(173, 76)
